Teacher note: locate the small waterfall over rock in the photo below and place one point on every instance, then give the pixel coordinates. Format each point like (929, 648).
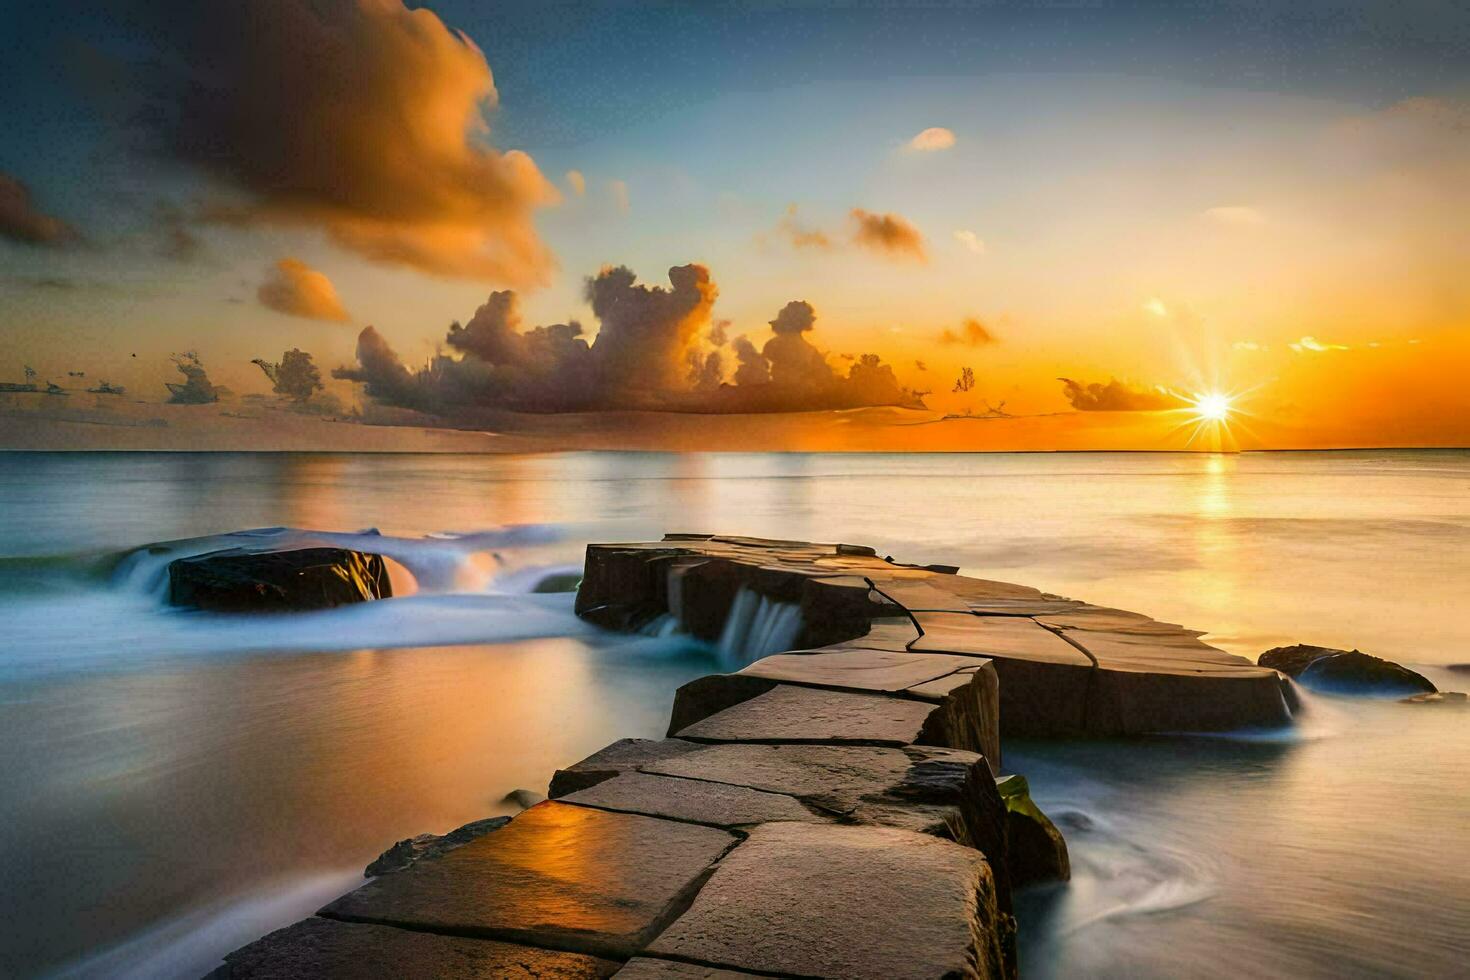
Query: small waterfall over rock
(755, 627)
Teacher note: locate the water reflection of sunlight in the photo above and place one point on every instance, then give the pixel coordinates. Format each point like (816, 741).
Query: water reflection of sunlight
(1214, 541)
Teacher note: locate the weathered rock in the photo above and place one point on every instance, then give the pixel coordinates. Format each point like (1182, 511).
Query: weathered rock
(646, 968)
(523, 798)
(1035, 849)
(1005, 637)
(943, 792)
(236, 580)
(559, 876)
(404, 853)
(858, 669)
(788, 713)
(318, 947)
(694, 800)
(1345, 672)
(624, 755)
(852, 902)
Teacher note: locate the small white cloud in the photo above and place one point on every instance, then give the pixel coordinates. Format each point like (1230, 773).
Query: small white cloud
(1416, 340)
(1315, 346)
(932, 139)
(1249, 345)
(1374, 344)
(577, 182)
(619, 191)
(1155, 306)
(1236, 216)
(970, 240)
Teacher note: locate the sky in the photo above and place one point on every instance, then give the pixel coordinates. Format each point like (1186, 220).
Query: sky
(1103, 210)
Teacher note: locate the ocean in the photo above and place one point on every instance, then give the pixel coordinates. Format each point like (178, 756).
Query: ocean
(173, 784)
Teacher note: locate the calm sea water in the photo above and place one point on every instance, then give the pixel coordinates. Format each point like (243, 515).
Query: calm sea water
(172, 784)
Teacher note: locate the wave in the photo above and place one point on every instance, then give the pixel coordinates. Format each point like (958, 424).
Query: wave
(110, 611)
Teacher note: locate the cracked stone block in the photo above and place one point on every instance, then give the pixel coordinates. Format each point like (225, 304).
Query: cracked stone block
(646, 968)
(943, 792)
(788, 713)
(693, 800)
(318, 947)
(852, 902)
(560, 876)
(624, 755)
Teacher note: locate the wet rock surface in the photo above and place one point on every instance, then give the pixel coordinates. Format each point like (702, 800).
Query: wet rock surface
(1035, 849)
(318, 947)
(237, 580)
(857, 902)
(404, 853)
(1346, 672)
(557, 876)
(694, 800)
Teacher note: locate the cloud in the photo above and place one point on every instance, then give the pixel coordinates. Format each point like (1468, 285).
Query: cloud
(1249, 345)
(888, 234)
(196, 388)
(296, 289)
(1115, 396)
(577, 182)
(920, 366)
(1315, 346)
(796, 316)
(619, 191)
(1155, 306)
(970, 241)
(360, 117)
(1236, 216)
(648, 354)
(971, 332)
(801, 237)
(21, 221)
(932, 139)
(297, 378)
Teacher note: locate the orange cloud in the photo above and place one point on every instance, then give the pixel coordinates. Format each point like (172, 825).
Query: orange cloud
(888, 234)
(1115, 396)
(21, 221)
(296, 289)
(971, 332)
(801, 237)
(362, 117)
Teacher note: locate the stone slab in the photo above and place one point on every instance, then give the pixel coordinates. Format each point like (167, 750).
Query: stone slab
(852, 902)
(857, 669)
(562, 876)
(944, 792)
(318, 947)
(788, 713)
(624, 755)
(647, 968)
(995, 636)
(694, 800)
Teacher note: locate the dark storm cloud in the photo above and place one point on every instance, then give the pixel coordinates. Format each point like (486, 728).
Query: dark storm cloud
(1115, 396)
(22, 221)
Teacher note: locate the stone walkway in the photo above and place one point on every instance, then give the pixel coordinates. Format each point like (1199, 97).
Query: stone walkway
(837, 810)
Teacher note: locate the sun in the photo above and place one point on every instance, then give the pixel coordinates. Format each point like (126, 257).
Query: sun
(1212, 407)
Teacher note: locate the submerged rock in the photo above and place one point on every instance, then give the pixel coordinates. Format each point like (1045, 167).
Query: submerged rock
(236, 580)
(1438, 697)
(523, 798)
(1345, 672)
(1036, 849)
(406, 852)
